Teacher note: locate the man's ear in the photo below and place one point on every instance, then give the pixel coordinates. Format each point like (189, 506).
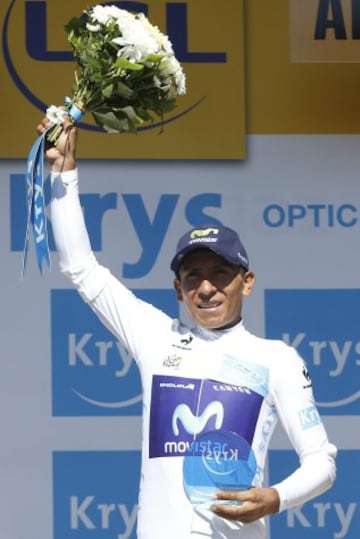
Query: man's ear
(177, 287)
(249, 280)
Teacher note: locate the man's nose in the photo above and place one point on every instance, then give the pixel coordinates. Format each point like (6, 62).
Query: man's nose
(207, 287)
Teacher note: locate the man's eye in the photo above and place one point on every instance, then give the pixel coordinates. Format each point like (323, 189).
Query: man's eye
(221, 272)
(192, 275)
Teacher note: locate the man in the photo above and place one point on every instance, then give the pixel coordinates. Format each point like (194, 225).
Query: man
(210, 380)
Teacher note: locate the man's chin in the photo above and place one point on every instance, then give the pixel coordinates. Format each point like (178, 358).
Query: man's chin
(215, 322)
(209, 322)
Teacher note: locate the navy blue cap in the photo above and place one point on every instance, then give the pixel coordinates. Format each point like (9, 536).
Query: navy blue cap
(220, 239)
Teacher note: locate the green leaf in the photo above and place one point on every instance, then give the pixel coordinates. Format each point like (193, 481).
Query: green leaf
(110, 121)
(108, 91)
(123, 63)
(155, 58)
(166, 105)
(75, 26)
(120, 91)
(91, 63)
(131, 114)
(124, 121)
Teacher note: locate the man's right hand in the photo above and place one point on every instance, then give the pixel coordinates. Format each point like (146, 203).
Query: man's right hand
(61, 156)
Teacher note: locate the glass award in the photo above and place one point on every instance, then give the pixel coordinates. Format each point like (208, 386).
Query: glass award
(216, 461)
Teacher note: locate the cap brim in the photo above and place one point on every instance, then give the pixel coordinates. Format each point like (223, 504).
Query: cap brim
(179, 257)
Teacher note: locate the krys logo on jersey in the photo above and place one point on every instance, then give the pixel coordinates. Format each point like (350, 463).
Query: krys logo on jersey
(333, 515)
(323, 326)
(92, 373)
(40, 67)
(95, 494)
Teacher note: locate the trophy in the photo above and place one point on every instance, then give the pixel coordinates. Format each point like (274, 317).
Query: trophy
(217, 460)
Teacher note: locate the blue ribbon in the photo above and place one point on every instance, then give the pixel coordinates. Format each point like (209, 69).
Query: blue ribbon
(36, 214)
(73, 110)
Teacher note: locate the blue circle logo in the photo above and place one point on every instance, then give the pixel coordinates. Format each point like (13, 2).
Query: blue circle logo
(217, 460)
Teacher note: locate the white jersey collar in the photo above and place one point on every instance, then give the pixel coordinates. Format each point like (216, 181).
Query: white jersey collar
(215, 334)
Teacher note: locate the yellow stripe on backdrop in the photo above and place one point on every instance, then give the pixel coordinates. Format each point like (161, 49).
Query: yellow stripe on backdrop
(208, 37)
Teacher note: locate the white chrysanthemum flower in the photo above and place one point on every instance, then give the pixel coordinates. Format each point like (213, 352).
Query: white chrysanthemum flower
(162, 40)
(93, 27)
(123, 16)
(171, 67)
(164, 84)
(138, 43)
(100, 14)
(106, 14)
(55, 114)
(119, 41)
(180, 80)
(157, 81)
(129, 52)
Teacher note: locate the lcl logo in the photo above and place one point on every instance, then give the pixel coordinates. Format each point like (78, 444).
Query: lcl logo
(36, 20)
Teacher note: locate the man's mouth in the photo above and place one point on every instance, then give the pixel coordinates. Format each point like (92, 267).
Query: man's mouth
(209, 306)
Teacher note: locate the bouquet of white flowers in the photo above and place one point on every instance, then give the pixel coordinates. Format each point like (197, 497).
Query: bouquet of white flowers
(126, 71)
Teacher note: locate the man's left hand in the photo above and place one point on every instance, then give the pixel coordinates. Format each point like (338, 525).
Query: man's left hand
(255, 503)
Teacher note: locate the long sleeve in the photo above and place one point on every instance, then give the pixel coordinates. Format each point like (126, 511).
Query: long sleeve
(300, 418)
(71, 237)
(133, 321)
(315, 475)
(76, 258)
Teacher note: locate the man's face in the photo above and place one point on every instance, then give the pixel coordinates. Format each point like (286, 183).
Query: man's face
(212, 289)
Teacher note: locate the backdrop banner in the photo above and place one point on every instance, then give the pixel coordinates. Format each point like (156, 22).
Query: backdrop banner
(285, 176)
(71, 395)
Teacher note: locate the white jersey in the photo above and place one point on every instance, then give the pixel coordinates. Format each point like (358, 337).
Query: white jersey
(195, 381)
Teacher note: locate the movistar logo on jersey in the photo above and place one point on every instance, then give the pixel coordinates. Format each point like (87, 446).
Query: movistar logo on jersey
(194, 424)
(95, 494)
(182, 408)
(324, 329)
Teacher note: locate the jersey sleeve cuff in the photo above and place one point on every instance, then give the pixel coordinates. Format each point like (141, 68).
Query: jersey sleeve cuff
(67, 178)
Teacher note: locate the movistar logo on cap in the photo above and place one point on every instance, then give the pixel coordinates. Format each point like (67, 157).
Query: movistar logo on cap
(200, 235)
(203, 232)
